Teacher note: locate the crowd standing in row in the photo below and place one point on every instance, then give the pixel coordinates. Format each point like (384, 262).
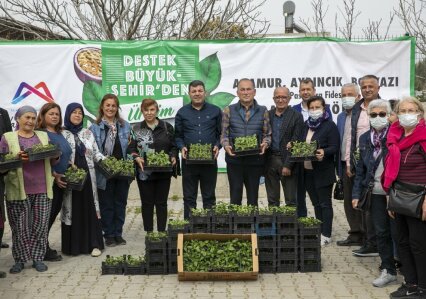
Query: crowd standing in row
(374, 150)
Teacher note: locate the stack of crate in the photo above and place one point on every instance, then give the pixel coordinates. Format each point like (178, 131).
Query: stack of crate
(156, 256)
(243, 224)
(287, 243)
(266, 231)
(200, 224)
(310, 248)
(221, 224)
(172, 233)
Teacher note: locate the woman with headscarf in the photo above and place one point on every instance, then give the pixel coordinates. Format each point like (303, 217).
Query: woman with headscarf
(81, 225)
(28, 193)
(49, 119)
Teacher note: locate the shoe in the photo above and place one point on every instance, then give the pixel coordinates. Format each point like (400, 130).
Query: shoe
(120, 241)
(421, 292)
(366, 250)
(52, 256)
(110, 241)
(405, 291)
(39, 266)
(2, 274)
(325, 240)
(348, 242)
(17, 268)
(4, 245)
(96, 252)
(384, 279)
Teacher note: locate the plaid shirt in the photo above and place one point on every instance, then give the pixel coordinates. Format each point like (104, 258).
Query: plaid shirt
(266, 128)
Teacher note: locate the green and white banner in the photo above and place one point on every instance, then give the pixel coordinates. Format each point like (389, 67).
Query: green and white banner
(33, 73)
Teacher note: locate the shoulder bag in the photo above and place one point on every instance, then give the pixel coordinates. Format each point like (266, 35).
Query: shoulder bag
(407, 199)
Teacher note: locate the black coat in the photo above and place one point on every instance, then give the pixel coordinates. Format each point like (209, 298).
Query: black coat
(291, 129)
(5, 126)
(327, 137)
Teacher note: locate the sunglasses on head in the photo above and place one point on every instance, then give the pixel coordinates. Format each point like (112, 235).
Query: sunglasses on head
(381, 114)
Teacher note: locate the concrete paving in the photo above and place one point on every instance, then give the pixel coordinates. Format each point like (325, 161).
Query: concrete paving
(342, 276)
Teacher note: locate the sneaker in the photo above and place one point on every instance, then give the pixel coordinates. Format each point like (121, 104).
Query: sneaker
(120, 241)
(366, 250)
(325, 240)
(384, 279)
(110, 241)
(96, 252)
(405, 291)
(39, 266)
(17, 268)
(348, 242)
(421, 292)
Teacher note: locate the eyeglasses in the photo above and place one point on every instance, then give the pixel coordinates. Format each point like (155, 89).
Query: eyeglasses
(381, 114)
(280, 98)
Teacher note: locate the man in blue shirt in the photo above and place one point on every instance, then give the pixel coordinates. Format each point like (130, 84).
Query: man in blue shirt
(198, 122)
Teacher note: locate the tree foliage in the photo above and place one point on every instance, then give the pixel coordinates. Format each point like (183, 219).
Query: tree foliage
(137, 19)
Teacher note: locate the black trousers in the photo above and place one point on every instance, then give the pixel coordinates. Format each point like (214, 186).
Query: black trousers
(240, 175)
(411, 234)
(354, 217)
(206, 176)
(273, 179)
(154, 193)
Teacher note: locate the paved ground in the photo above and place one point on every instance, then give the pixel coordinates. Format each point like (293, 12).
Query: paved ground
(342, 276)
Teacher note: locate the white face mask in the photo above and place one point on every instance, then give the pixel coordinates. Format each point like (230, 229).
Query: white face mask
(378, 122)
(348, 102)
(408, 120)
(315, 114)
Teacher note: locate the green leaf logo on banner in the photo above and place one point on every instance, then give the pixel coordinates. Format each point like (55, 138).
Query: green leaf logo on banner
(211, 72)
(92, 96)
(220, 99)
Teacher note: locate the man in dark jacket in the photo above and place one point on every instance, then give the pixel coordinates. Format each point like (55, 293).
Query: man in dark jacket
(245, 118)
(287, 125)
(359, 125)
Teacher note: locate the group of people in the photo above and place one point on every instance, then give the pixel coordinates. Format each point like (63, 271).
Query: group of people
(371, 149)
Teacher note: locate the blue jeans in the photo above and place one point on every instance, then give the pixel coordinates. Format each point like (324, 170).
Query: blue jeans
(382, 226)
(112, 204)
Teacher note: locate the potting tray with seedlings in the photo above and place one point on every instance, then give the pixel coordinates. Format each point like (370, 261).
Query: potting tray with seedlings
(75, 178)
(217, 257)
(10, 161)
(302, 151)
(112, 167)
(200, 154)
(41, 152)
(158, 162)
(113, 265)
(246, 146)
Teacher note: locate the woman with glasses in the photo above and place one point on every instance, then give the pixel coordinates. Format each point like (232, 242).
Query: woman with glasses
(405, 164)
(369, 169)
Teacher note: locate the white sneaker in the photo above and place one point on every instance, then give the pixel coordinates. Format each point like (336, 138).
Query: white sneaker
(96, 252)
(325, 240)
(384, 279)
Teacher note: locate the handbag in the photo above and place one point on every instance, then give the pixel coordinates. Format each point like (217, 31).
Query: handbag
(338, 190)
(364, 203)
(407, 199)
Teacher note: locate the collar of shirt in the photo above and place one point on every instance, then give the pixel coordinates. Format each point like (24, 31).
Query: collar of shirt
(202, 106)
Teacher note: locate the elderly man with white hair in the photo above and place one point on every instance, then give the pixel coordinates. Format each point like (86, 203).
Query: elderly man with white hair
(367, 184)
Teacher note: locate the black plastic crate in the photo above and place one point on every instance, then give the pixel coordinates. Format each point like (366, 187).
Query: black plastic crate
(152, 245)
(287, 253)
(266, 241)
(244, 218)
(200, 224)
(310, 253)
(266, 218)
(112, 270)
(310, 236)
(266, 229)
(156, 268)
(267, 254)
(173, 234)
(135, 270)
(287, 241)
(267, 266)
(189, 160)
(244, 228)
(156, 257)
(310, 265)
(287, 266)
(286, 224)
(172, 269)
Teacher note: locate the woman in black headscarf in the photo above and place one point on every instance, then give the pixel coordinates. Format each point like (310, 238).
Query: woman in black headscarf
(81, 226)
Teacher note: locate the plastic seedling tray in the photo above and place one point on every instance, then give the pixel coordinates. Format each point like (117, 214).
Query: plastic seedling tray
(190, 160)
(247, 152)
(77, 186)
(35, 156)
(10, 164)
(104, 171)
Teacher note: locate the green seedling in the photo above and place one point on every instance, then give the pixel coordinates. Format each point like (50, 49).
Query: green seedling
(178, 223)
(74, 174)
(221, 208)
(39, 148)
(199, 151)
(135, 260)
(284, 210)
(175, 197)
(156, 236)
(118, 166)
(10, 157)
(114, 261)
(199, 212)
(245, 143)
(160, 159)
(303, 149)
(243, 210)
(217, 256)
(309, 221)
